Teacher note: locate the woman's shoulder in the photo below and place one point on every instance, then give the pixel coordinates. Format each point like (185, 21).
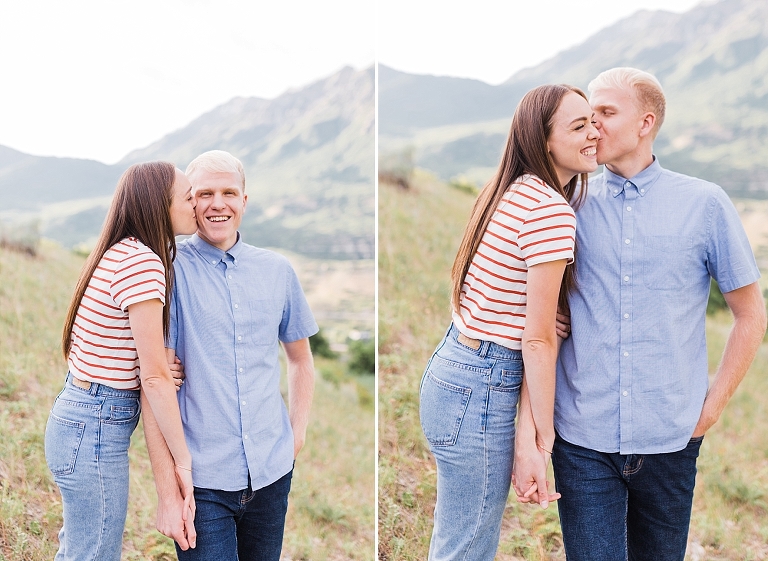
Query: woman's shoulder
(132, 252)
(536, 192)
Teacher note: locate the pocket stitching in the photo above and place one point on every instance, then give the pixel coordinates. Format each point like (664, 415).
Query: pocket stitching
(465, 393)
(675, 248)
(80, 426)
(455, 364)
(122, 421)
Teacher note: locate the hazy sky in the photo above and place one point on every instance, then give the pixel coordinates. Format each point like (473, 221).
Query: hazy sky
(97, 79)
(492, 39)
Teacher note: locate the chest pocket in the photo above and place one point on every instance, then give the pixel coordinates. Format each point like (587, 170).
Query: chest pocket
(668, 262)
(266, 316)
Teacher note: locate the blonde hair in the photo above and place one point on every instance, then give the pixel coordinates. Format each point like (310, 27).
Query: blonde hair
(217, 161)
(650, 95)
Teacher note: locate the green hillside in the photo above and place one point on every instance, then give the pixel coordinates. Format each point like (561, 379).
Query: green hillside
(712, 62)
(308, 156)
(419, 232)
(331, 513)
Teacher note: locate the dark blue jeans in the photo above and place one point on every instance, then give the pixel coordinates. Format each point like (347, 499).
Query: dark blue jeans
(240, 525)
(615, 507)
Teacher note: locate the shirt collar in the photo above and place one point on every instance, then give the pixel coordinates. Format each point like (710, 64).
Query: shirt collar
(213, 254)
(643, 181)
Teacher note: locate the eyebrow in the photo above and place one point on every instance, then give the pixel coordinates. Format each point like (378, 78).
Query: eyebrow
(577, 119)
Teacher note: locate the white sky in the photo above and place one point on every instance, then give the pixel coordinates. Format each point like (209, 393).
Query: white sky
(99, 78)
(492, 39)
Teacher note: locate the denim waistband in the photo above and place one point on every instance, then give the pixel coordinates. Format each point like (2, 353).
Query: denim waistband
(487, 348)
(102, 389)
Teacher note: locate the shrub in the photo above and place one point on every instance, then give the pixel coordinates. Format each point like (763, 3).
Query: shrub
(716, 301)
(362, 357)
(320, 346)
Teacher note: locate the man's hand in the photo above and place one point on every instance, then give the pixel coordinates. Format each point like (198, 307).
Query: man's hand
(562, 324)
(177, 371)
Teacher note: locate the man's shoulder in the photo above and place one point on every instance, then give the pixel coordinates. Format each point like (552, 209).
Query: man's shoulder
(683, 181)
(264, 257)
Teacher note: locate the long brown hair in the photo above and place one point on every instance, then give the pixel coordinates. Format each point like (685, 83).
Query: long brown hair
(525, 152)
(140, 209)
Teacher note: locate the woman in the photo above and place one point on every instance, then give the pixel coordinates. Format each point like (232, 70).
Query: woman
(117, 318)
(507, 280)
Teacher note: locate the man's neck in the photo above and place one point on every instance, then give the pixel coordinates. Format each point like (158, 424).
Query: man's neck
(630, 166)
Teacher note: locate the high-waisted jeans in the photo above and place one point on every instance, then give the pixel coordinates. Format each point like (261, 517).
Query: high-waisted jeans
(468, 406)
(86, 447)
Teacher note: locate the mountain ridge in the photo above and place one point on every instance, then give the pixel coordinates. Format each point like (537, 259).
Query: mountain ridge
(712, 62)
(308, 156)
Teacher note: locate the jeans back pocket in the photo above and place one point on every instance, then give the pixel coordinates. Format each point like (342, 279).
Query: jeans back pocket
(441, 410)
(62, 443)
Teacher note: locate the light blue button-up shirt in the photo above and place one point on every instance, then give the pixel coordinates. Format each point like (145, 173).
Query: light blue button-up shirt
(228, 312)
(633, 375)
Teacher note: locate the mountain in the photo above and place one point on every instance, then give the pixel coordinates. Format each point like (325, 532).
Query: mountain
(712, 62)
(309, 162)
(308, 156)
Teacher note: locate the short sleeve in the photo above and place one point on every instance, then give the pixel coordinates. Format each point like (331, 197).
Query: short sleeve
(297, 321)
(548, 232)
(729, 255)
(139, 276)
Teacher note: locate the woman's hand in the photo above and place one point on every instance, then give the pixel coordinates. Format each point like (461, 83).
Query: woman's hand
(184, 480)
(529, 476)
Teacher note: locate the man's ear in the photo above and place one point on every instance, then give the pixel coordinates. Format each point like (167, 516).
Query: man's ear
(647, 124)
(245, 201)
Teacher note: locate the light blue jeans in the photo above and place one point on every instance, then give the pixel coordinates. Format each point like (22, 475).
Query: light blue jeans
(468, 406)
(86, 447)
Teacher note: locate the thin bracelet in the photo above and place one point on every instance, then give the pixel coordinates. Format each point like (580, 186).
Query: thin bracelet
(547, 451)
(182, 467)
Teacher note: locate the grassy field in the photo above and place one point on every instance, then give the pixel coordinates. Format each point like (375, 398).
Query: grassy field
(331, 509)
(419, 231)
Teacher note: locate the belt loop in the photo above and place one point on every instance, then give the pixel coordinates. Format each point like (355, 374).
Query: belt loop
(484, 348)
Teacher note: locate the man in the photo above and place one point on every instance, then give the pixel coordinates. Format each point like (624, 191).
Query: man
(632, 400)
(232, 305)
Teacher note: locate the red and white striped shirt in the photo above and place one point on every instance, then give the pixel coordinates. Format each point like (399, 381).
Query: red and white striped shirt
(533, 224)
(102, 349)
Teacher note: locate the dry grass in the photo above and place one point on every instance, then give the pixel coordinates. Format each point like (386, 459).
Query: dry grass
(419, 232)
(331, 506)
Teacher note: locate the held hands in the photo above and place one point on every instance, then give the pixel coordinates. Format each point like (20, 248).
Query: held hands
(176, 512)
(184, 481)
(529, 476)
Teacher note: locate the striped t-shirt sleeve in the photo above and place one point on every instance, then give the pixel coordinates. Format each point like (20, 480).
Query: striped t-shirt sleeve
(139, 276)
(548, 233)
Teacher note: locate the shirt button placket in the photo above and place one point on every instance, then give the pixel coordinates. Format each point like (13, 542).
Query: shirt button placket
(628, 257)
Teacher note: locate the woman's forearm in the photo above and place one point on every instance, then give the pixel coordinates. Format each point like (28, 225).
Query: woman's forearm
(156, 380)
(539, 357)
(540, 346)
(160, 392)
